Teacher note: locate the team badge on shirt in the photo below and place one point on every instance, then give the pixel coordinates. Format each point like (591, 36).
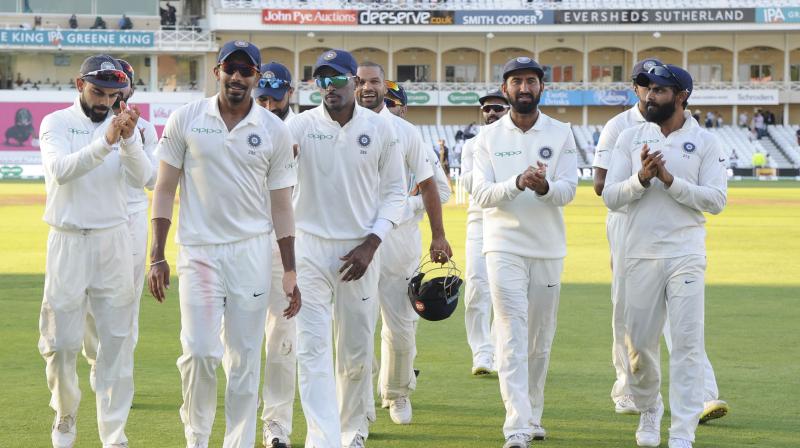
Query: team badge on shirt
(364, 140)
(689, 147)
(545, 152)
(254, 140)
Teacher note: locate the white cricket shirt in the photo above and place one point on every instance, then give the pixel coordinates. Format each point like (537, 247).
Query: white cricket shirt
(416, 166)
(608, 139)
(415, 202)
(227, 175)
(348, 176)
(522, 222)
(138, 200)
(667, 222)
(86, 179)
(474, 211)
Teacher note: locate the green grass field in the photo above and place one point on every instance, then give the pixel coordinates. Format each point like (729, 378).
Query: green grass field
(752, 337)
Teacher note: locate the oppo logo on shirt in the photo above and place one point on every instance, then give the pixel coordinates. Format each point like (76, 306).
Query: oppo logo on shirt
(644, 142)
(207, 131)
(507, 153)
(78, 131)
(320, 137)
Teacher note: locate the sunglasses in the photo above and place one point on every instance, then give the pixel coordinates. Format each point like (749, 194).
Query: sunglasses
(126, 67)
(494, 108)
(337, 81)
(246, 70)
(273, 83)
(107, 75)
(664, 72)
(391, 102)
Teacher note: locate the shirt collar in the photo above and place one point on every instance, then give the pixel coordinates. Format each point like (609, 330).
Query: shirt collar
(637, 114)
(323, 112)
(540, 124)
(212, 108)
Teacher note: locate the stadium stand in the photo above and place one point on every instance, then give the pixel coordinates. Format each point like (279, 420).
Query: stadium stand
(497, 4)
(785, 139)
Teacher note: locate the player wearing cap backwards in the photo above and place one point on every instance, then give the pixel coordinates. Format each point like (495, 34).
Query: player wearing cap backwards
(90, 157)
(234, 162)
(668, 171)
(138, 203)
(349, 195)
(400, 253)
(477, 297)
(274, 93)
(615, 225)
(524, 239)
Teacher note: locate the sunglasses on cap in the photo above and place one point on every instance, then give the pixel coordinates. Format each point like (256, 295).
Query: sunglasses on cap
(246, 70)
(274, 83)
(391, 102)
(126, 67)
(337, 81)
(107, 75)
(494, 108)
(664, 72)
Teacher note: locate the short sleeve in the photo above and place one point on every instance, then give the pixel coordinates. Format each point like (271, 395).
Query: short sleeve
(172, 146)
(282, 166)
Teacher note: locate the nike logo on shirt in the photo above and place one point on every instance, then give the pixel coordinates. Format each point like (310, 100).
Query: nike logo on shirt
(256, 295)
(689, 281)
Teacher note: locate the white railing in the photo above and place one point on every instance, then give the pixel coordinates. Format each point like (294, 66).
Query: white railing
(497, 4)
(185, 38)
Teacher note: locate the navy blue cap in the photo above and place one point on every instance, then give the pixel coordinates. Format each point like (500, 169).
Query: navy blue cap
(273, 74)
(666, 75)
(397, 92)
(126, 67)
(240, 45)
(339, 60)
(493, 93)
(103, 63)
(522, 63)
(644, 66)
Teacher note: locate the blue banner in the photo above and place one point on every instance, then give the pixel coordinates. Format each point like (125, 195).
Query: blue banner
(588, 98)
(513, 17)
(778, 15)
(77, 38)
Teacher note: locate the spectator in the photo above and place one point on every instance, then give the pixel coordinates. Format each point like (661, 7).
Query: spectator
(19, 80)
(720, 121)
(171, 15)
(73, 22)
(769, 118)
(455, 158)
(734, 160)
(470, 131)
(125, 23)
(99, 24)
(596, 136)
(37, 22)
(444, 155)
(696, 115)
(759, 125)
(710, 119)
(743, 120)
(164, 16)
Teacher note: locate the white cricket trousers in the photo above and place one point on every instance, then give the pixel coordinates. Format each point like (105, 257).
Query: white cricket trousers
(89, 270)
(223, 291)
(477, 296)
(615, 230)
(347, 310)
(400, 255)
(280, 368)
(137, 227)
(525, 295)
(655, 289)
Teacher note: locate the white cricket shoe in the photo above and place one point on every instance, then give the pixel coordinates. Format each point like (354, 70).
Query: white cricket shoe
(275, 435)
(649, 431)
(625, 405)
(518, 440)
(400, 410)
(714, 409)
(679, 443)
(538, 432)
(385, 403)
(64, 432)
(482, 365)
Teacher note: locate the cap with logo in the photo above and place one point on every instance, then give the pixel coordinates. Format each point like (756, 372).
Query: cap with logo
(103, 71)
(396, 92)
(339, 60)
(240, 45)
(275, 81)
(666, 75)
(644, 66)
(493, 93)
(127, 68)
(522, 63)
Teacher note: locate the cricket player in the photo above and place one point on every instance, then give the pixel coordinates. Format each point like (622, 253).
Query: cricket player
(234, 162)
(349, 195)
(477, 297)
(91, 158)
(401, 251)
(396, 100)
(615, 225)
(668, 171)
(138, 203)
(274, 93)
(524, 239)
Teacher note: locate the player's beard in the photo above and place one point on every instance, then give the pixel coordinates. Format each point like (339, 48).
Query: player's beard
(235, 97)
(97, 114)
(659, 113)
(524, 107)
